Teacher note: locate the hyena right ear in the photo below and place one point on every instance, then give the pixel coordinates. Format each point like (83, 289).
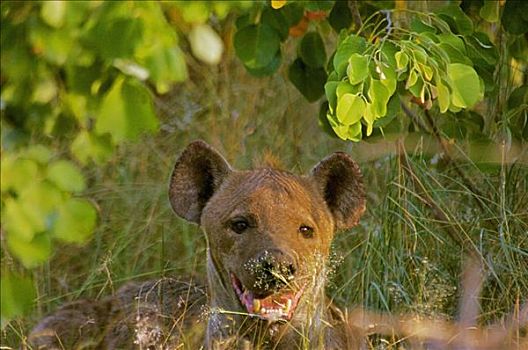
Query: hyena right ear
(340, 182)
(197, 174)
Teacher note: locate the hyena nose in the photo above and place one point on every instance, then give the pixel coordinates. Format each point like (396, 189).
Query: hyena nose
(274, 269)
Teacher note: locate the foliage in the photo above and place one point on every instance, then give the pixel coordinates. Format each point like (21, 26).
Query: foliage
(82, 74)
(78, 80)
(396, 54)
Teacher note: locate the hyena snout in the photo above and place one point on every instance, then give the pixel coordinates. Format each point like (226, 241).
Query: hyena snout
(271, 270)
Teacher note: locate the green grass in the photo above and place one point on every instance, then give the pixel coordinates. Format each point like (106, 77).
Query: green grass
(401, 258)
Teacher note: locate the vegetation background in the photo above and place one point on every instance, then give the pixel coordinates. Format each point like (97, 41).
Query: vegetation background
(98, 99)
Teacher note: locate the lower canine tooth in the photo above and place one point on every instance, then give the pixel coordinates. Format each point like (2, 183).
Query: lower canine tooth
(256, 305)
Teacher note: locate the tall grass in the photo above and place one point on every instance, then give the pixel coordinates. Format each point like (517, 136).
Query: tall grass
(401, 258)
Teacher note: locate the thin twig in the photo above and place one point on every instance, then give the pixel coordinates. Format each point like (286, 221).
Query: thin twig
(353, 6)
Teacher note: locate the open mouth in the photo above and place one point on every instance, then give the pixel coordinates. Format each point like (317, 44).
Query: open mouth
(275, 307)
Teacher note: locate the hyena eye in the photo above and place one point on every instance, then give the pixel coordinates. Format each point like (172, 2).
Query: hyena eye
(239, 225)
(306, 231)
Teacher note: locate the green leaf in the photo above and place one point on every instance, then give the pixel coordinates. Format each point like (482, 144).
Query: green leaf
(514, 17)
(354, 132)
(379, 95)
(293, 12)
(318, 5)
(443, 96)
(126, 111)
(66, 176)
(117, 37)
(454, 55)
(194, 11)
(456, 18)
(401, 60)
(340, 16)
(351, 45)
(19, 220)
(344, 87)
(40, 201)
(412, 79)
(32, 253)
(256, 45)
(52, 12)
(340, 130)
(331, 94)
(17, 296)
(166, 65)
(357, 68)
(87, 146)
(419, 26)
(17, 174)
(269, 69)
(277, 20)
(453, 40)
(465, 85)
(370, 116)
(350, 108)
(75, 221)
(309, 81)
(39, 153)
(389, 79)
(312, 50)
(490, 11)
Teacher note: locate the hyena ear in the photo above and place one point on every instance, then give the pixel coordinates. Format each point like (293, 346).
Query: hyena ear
(339, 180)
(197, 174)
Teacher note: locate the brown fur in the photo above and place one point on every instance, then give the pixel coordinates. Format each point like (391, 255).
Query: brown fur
(276, 206)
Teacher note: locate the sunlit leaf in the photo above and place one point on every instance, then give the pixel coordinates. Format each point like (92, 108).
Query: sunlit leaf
(344, 87)
(401, 60)
(277, 4)
(126, 111)
(66, 176)
(350, 108)
(465, 85)
(19, 220)
(351, 45)
(75, 221)
(32, 253)
(354, 132)
(331, 95)
(17, 294)
(17, 174)
(194, 11)
(166, 65)
(443, 96)
(90, 146)
(357, 70)
(379, 95)
(52, 12)
(206, 44)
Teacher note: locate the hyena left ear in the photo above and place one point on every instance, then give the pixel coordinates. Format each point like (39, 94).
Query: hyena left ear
(197, 175)
(339, 179)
